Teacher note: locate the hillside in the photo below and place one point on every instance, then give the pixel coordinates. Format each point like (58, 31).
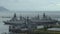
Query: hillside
(3, 9)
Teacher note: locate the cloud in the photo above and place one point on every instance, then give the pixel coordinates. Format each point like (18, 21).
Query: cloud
(53, 7)
(31, 5)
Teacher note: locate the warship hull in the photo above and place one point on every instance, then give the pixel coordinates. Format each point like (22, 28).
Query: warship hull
(37, 23)
(8, 23)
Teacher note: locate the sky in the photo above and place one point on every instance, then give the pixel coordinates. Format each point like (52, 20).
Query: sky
(31, 5)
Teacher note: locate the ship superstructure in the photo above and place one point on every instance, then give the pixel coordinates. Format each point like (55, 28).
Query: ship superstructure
(45, 20)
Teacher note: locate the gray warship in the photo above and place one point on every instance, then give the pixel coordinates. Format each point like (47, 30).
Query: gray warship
(45, 20)
(37, 21)
(28, 24)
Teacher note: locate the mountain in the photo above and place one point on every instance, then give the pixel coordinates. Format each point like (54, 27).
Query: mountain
(3, 9)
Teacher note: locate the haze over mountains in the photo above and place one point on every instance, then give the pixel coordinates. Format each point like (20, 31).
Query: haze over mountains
(3, 9)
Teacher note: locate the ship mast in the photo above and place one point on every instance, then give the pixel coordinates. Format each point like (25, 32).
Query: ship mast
(44, 15)
(27, 20)
(15, 17)
(20, 17)
(38, 17)
(26, 23)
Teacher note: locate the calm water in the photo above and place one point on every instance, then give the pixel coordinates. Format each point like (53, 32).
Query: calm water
(3, 28)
